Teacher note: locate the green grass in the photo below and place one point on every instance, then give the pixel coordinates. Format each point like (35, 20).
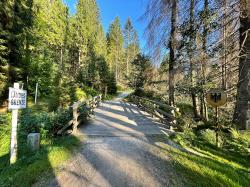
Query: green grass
(206, 165)
(31, 166)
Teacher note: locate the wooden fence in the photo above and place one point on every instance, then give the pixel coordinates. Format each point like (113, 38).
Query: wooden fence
(78, 118)
(166, 113)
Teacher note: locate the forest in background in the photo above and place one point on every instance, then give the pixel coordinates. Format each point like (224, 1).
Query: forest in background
(204, 44)
(65, 54)
(199, 44)
(192, 45)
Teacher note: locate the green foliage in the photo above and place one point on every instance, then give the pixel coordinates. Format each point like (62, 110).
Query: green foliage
(142, 70)
(238, 141)
(90, 91)
(210, 136)
(62, 94)
(80, 95)
(131, 44)
(41, 71)
(115, 46)
(60, 51)
(112, 88)
(5, 129)
(46, 123)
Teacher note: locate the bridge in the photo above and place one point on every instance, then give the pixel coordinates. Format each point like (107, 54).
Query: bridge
(119, 150)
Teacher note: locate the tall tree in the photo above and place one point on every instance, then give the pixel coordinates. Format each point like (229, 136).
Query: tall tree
(204, 22)
(115, 47)
(86, 22)
(162, 33)
(16, 20)
(172, 51)
(241, 114)
(48, 44)
(131, 44)
(100, 44)
(192, 66)
(141, 73)
(5, 25)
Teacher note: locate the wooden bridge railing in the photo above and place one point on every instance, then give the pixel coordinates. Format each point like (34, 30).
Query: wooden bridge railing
(166, 113)
(91, 104)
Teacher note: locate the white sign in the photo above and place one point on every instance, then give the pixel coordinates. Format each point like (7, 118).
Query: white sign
(17, 98)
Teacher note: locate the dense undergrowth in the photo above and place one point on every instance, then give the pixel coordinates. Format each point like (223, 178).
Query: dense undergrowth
(54, 150)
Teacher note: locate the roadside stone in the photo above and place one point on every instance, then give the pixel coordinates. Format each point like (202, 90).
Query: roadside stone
(33, 141)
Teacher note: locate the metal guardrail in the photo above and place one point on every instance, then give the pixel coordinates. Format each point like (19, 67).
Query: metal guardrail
(77, 120)
(166, 113)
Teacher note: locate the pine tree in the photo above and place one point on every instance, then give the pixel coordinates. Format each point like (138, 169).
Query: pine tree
(85, 23)
(142, 71)
(115, 47)
(5, 25)
(15, 22)
(48, 45)
(100, 44)
(131, 44)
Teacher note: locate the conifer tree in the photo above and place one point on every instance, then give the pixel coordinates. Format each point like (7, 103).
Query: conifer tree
(115, 47)
(131, 44)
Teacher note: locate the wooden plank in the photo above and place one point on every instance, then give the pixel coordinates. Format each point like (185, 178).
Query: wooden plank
(158, 103)
(70, 123)
(91, 103)
(165, 114)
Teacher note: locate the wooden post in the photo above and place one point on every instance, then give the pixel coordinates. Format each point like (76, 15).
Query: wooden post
(36, 93)
(75, 116)
(106, 92)
(13, 141)
(217, 127)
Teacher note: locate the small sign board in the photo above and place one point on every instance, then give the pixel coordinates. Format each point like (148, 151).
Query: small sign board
(216, 97)
(17, 98)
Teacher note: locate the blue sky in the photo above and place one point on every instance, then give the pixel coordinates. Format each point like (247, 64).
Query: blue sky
(109, 9)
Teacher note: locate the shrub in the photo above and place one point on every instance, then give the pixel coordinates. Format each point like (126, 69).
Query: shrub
(80, 95)
(46, 123)
(210, 137)
(90, 91)
(112, 88)
(238, 142)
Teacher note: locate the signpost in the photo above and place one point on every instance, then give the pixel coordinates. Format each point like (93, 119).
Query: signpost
(216, 97)
(36, 93)
(17, 100)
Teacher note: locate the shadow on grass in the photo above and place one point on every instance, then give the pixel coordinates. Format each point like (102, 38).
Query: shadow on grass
(31, 166)
(209, 167)
(230, 156)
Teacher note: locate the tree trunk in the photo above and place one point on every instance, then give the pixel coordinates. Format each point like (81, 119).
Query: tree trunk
(242, 108)
(127, 59)
(172, 49)
(203, 106)
(191, 59)
(224, 59)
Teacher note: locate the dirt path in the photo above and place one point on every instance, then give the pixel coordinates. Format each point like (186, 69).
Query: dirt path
(119, 151)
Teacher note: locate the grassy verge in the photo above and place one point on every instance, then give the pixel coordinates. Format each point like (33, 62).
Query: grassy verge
(206, 165)
(31, 166)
